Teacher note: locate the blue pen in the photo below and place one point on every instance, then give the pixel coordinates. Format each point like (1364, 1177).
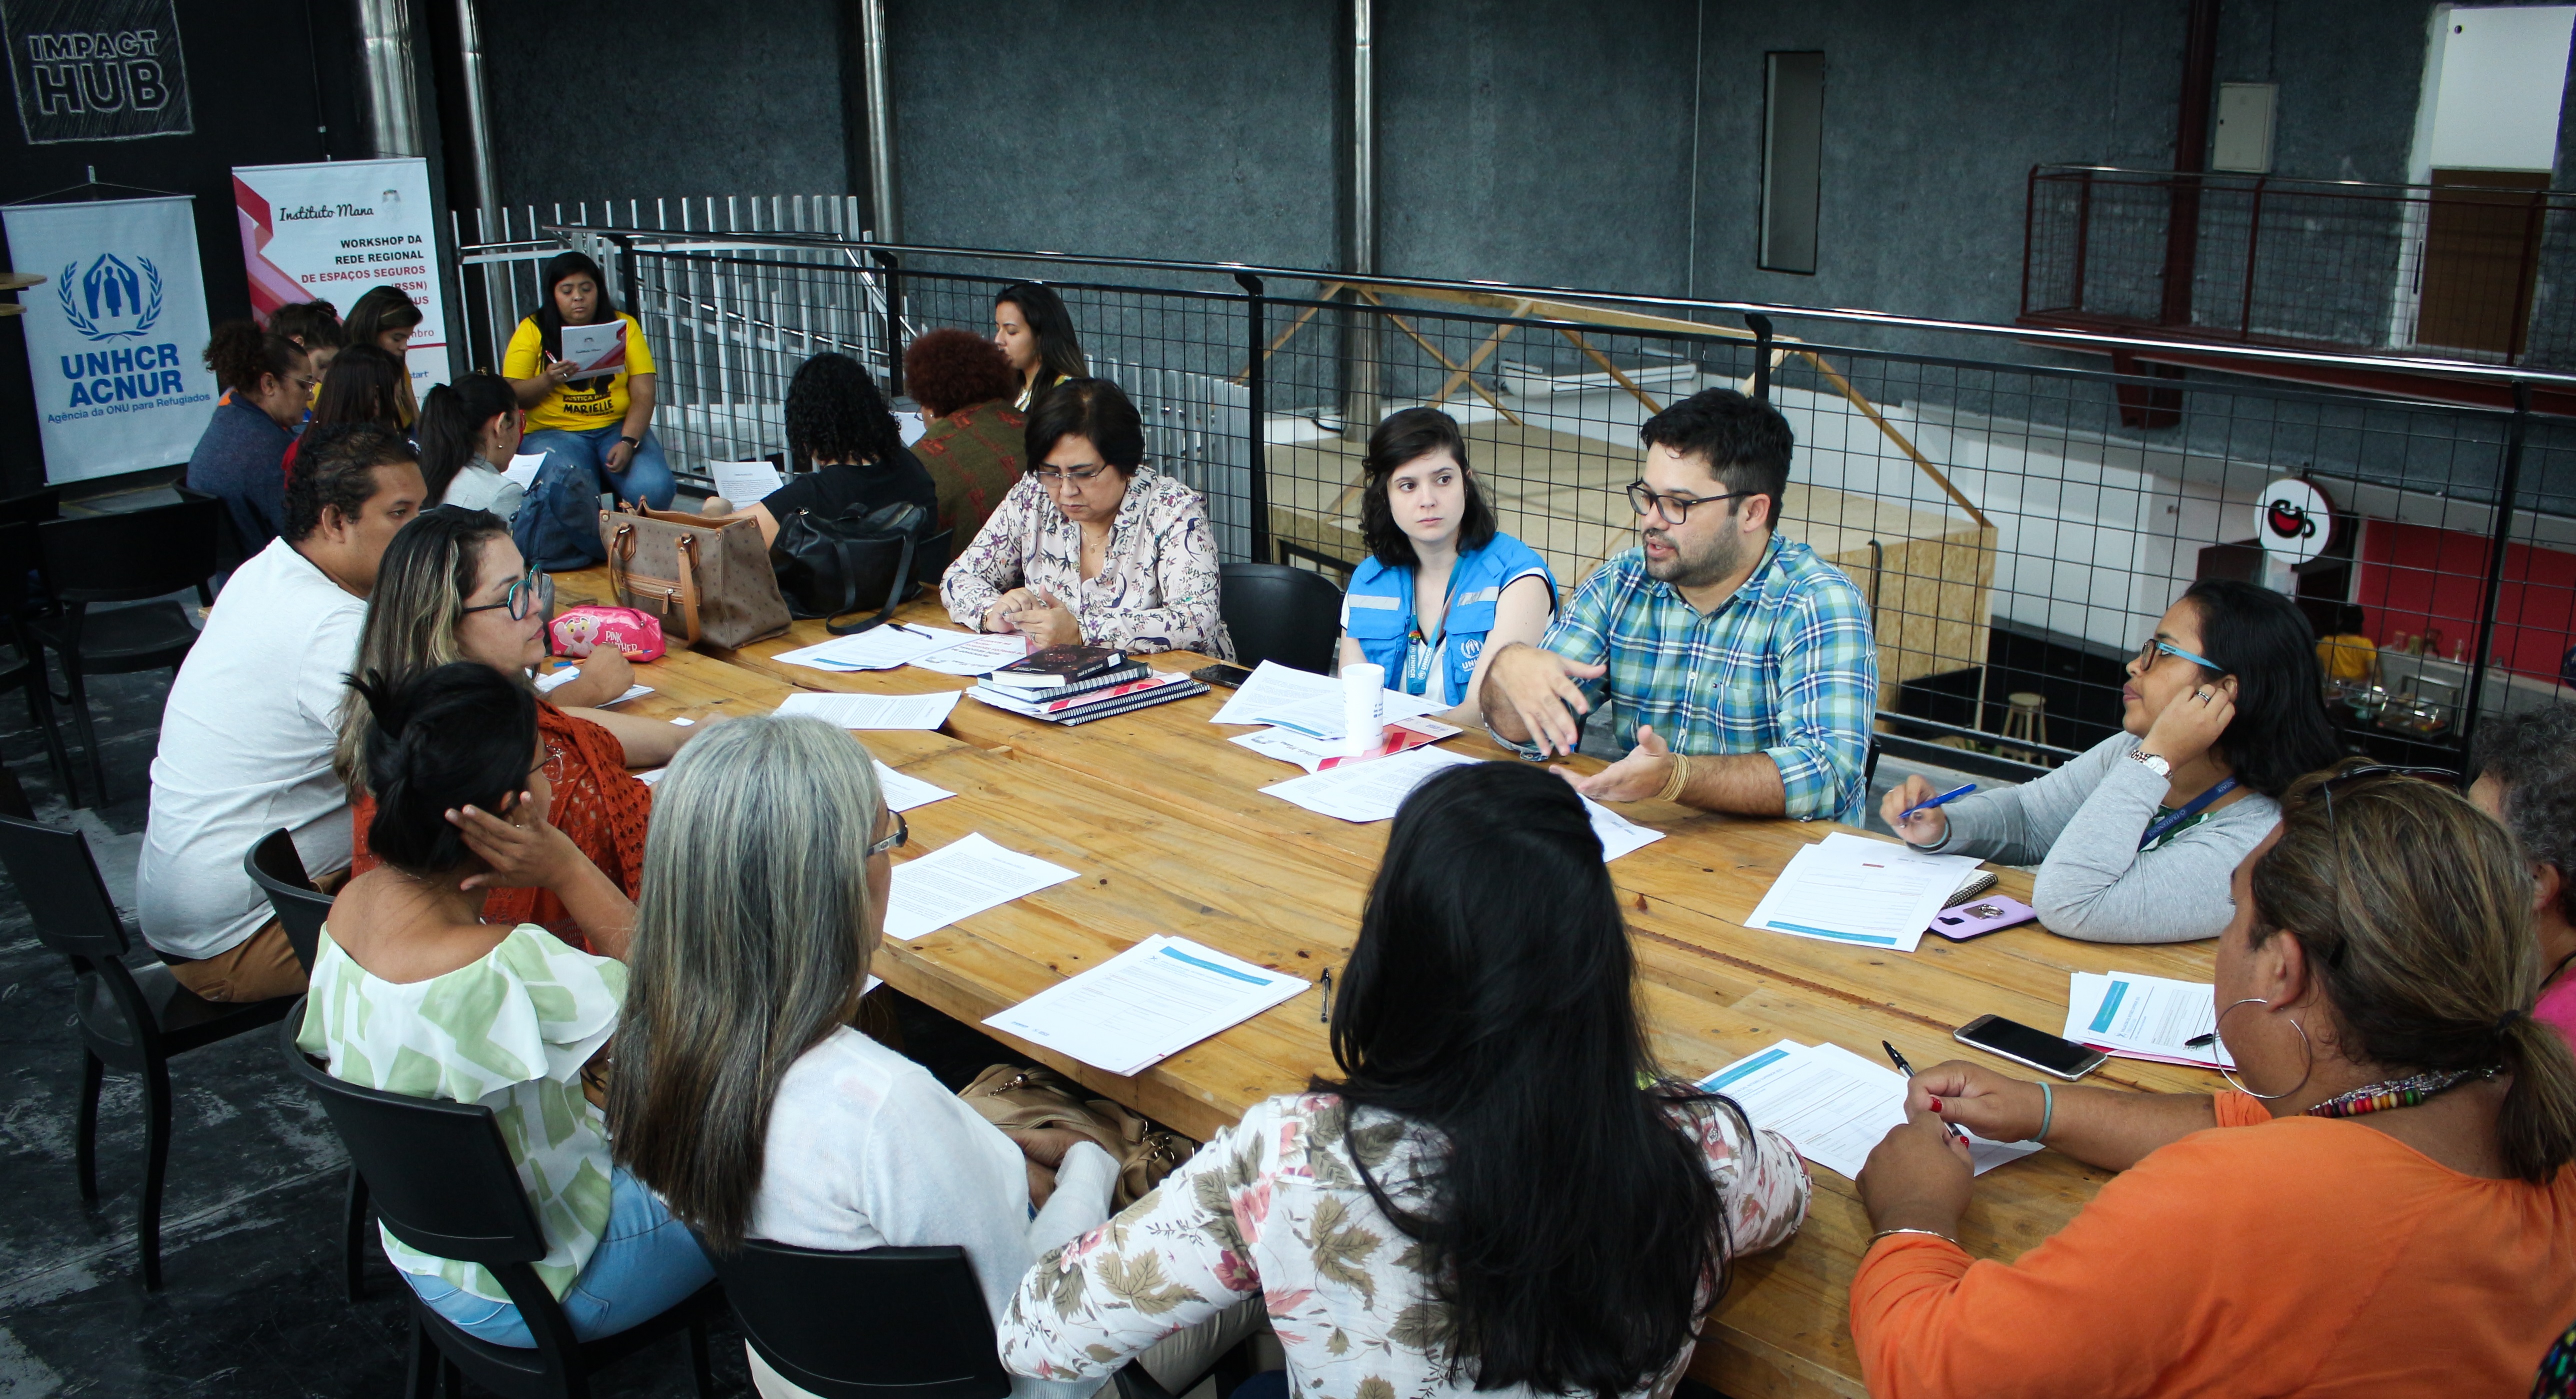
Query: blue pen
(1942, 800)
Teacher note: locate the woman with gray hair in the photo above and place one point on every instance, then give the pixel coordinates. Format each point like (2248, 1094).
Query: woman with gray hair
(2526, 777)
(742, 1095)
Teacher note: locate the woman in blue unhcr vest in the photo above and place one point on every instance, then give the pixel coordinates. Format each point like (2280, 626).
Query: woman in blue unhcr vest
(1441, 588)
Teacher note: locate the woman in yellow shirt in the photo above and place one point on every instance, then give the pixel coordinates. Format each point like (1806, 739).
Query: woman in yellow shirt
(604, 423)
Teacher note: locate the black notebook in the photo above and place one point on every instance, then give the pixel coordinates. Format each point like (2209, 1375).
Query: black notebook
(1058, 666)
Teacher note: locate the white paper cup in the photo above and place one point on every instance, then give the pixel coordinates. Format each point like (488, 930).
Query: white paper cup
(1363, 708)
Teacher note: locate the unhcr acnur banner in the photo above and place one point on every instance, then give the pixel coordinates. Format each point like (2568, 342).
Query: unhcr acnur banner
(116, 335)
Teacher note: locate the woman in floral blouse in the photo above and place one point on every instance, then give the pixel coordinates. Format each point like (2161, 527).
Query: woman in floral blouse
(1504, 1193)
(1092, 546)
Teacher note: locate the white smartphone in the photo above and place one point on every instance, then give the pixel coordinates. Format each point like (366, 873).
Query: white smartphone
(2010, 1039)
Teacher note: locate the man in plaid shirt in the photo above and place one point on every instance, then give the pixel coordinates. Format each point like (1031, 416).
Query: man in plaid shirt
(1740, 668)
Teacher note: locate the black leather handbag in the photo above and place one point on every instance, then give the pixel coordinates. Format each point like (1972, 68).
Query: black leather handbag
(830, 568)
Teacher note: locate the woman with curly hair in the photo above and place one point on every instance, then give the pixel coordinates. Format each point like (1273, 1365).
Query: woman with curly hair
(839, 427)
(973, 441)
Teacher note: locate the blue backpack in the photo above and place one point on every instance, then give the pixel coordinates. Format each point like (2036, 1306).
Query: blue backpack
(557, 526)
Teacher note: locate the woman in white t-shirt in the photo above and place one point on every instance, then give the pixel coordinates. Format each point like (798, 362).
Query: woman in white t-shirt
(741, 1094)
(469, 430)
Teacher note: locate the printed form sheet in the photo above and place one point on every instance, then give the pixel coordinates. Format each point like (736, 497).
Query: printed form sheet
(1147, 1004)
(875, 711)
(959, 880)
(1833, 1105)
(1848, 888)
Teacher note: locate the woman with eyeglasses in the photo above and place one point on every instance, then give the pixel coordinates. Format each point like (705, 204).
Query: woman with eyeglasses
(453, 588)
(2382, 1206)
(2134, 839)
(1092, 546)
(1442, 589)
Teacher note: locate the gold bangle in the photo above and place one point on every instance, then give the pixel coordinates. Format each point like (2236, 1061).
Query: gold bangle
(1679, 779)
(1889, 1233)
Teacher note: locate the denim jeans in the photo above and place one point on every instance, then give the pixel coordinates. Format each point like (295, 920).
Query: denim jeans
(647, 474)
(646, 1262)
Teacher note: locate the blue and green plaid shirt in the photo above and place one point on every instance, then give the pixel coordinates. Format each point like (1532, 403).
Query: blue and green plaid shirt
(1788, 666)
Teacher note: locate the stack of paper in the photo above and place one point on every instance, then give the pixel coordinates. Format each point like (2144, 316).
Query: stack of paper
(875, 711)
(959, 880)
(1147, 1004)
(1367, 791)
(1306, 703)
(1317, 754)
(554, 680)
(976, 655)
(1158, 687)
(877, 648)
(1833, 1105)
(1849, 888)
(2145, 1017)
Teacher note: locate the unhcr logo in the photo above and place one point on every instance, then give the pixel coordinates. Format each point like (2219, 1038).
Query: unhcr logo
(110, 301)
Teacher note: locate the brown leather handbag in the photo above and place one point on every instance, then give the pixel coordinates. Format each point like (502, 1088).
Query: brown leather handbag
(706, 581)
(1027, 1099)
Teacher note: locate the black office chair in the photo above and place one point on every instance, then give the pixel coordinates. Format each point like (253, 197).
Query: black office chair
(1277, 613)
(130, 1019)
(278, 870)
(882, 1323)
(443, 1184)
(19, 599)
(128, 556)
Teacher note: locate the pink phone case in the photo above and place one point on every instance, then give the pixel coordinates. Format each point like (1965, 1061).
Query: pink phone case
(1983, 914)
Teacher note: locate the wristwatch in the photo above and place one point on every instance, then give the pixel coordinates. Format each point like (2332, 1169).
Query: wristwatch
(2153, 762)
(630, 441)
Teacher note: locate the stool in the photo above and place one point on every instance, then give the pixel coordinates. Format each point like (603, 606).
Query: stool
(2027, 720)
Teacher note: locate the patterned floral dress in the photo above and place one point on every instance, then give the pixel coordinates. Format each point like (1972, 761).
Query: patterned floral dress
(1274, 1205)
(1156, 592)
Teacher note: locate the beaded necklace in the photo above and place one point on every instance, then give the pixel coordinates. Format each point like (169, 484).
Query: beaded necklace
(2397, 1093)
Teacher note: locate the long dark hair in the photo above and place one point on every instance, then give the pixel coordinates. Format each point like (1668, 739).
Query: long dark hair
(549, 318)
(380, 310)
(440, 740)
(1059, 349)
(1570, 1222)
(451, 425)
(2280, 732)
(363, 385)
(1406, 436)
(836, 413)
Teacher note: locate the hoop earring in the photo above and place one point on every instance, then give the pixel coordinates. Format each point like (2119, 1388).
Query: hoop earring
(2218, 1041)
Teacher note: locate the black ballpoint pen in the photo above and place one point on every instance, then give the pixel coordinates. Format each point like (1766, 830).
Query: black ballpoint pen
(1908, 1070)
(1325, 1011)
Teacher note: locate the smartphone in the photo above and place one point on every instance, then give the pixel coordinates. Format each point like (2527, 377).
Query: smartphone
(1229, 676)
(2010, 1039)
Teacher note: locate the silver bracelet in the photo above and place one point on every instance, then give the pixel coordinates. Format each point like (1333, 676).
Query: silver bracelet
(1928, 1233)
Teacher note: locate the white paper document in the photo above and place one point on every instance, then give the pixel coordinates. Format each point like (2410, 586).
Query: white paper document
(1307, 703)
(1833, 1105)
(877, 648)
(976, 655)
(1619, 835)
(1369, 791)
(959, 880)
(554, 680)
(651, 776)
(875, 711)
(1290, 746)
(903, 793)
(593, 350)
(2145, 1017)
(1147, 1004)
(744, 482)
(1848, 888)
(523, 468)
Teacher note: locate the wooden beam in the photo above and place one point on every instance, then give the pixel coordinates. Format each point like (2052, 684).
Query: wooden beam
(1327, 293)
(1922, 463)
(1604, 361)
(1455, 372)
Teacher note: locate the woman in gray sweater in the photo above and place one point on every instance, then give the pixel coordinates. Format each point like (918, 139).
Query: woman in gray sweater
(2136, 840)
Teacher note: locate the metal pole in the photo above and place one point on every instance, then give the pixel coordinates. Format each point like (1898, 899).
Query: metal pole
(872, 64)
(2191, 157)
(893, 279)
(1360, 377)
(487, 194)
(2498, 542)
(1256, 315)
(1761, 327)
(385, 66)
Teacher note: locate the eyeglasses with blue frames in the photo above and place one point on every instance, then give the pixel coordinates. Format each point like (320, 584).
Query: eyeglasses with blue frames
(2157, 648)
(892, 841)
(533, 593)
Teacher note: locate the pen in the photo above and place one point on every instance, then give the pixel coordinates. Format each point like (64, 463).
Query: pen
(1942, 800)
(2201, 1041)
(1325, 1012)
(1908, 1070)
(908, 631)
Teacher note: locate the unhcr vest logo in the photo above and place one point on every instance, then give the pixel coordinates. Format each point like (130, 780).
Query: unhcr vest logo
(110, 301)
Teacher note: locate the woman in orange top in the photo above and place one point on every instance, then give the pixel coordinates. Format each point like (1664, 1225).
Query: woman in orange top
(2384, 1210)
(453, 587)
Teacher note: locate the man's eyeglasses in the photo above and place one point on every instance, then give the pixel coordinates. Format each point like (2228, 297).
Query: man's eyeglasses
(895, 841)
(2157, 648)
(1050, 475)
(1674, 508)
(533, 593)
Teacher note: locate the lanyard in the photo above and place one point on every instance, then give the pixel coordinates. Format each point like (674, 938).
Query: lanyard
(2190, 809)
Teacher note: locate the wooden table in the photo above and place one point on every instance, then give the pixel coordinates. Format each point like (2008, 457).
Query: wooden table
(1166, 827)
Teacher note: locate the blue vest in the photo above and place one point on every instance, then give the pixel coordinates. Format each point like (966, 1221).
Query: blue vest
(1379, 606)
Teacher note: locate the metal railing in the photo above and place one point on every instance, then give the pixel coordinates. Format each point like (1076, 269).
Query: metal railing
(2449, 270)
(2013, 534)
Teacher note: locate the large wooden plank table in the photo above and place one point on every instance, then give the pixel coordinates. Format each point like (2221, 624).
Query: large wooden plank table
(1166, 827)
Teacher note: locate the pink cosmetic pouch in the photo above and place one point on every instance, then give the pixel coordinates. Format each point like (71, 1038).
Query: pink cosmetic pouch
(578, 631)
